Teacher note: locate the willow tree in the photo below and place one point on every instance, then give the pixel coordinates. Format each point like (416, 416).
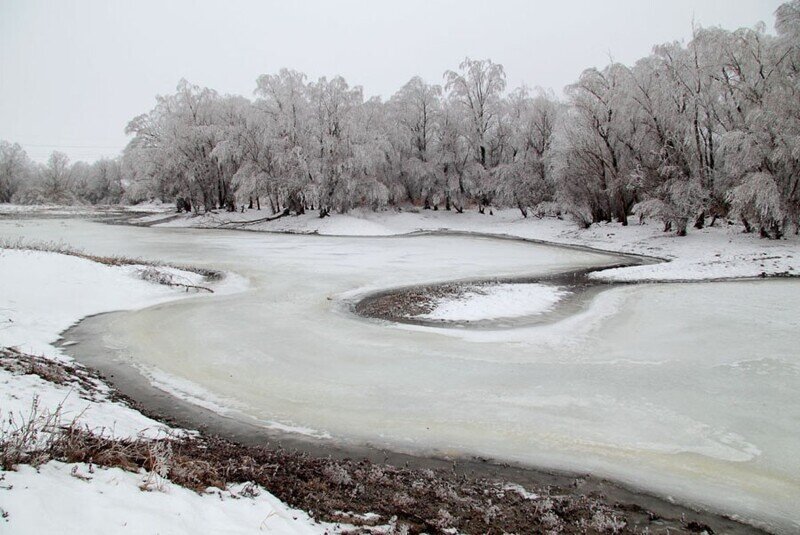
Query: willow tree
(477, 88)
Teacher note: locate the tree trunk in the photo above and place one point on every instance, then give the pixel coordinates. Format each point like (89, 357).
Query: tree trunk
(295, 203)
(700, 222)
(682, 222)
(622, 213)
(777, 230)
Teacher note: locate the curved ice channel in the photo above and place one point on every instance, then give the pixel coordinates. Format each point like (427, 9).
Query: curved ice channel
(688, 390)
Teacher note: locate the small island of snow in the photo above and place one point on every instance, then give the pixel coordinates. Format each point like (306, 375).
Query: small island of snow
(495, 301)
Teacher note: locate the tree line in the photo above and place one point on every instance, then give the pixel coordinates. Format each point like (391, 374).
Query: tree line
(691, 133)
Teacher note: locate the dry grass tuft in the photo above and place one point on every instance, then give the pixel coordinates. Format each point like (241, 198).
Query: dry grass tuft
(87, 383)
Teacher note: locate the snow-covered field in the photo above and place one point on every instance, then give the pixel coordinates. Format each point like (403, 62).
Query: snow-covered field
(718, 252)
(41, 294)
(74, 498)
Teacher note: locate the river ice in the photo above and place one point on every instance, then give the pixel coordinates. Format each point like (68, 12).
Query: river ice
(688, 390)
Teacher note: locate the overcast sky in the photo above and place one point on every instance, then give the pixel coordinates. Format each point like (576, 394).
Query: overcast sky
(72, 73)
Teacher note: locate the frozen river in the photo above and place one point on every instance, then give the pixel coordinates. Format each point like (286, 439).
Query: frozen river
(686, 390)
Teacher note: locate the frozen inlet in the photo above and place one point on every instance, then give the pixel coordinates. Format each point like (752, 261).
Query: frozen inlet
(687, 390)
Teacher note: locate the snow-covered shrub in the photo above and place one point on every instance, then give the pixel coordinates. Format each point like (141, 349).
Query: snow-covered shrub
(28, 438)
(581, 213)
(607, 522)
(159, 457)
(655, 208)
(445, 519)
(679, 202)
(548, 209)
(757, 201)
(337, 475)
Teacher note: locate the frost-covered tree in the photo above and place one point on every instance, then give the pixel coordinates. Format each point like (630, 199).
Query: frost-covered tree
(477, 88)
(176, 141)
(691, 133)
(677, 134)
(104, 182)
(757, 200)
(55, 182)
(524, 178)
(454, 157)
(414, 113)
(346, 137)
(15, 169)
(595, 171)
(280, 144)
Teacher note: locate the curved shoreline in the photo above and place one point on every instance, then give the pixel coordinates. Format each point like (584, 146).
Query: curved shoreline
(467, 465)
(638, 259)
(397, 304)
(129, 219)
(163, 406)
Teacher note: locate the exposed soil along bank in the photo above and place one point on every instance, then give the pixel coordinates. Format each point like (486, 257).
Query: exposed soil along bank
(327, 476)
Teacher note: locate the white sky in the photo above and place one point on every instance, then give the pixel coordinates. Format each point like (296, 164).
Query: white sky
(73, 73)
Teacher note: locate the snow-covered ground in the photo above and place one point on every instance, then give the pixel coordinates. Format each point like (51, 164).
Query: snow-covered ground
(41, 294)
(69, 498)
(495, 301)
(718, 252)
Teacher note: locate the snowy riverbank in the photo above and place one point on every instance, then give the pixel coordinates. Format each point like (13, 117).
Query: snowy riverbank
(719, 252)
(43, 293)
